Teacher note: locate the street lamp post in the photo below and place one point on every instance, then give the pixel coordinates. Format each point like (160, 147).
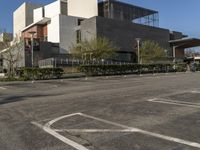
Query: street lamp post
(32, 46)
(174, 54)
(138, 48)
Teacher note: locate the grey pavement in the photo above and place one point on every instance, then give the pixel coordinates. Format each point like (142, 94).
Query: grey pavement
(106, 113)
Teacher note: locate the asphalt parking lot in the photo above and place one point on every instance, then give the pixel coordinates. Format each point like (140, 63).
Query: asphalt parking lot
(104, 113)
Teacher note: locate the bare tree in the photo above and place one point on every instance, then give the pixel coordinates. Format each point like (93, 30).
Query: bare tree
(191, 53)
(12, 55)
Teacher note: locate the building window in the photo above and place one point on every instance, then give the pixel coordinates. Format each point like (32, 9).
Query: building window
(64, 10)
(43, 12)
(79, 21)
(78, 36)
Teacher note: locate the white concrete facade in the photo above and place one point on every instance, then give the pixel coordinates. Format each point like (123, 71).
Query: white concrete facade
(20, 13)
(63, 18)
(22, 17)
(52, 10)
(54, 29)
(83, 8)
(61, 30)
(67, 33)
(38, 14)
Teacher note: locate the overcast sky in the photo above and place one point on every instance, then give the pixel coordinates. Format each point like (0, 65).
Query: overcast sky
(178, 15)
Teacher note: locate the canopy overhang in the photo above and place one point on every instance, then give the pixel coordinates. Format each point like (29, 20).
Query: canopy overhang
(185, 43)
(43, 21)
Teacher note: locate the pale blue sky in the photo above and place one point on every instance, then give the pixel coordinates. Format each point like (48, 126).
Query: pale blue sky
(179, 15)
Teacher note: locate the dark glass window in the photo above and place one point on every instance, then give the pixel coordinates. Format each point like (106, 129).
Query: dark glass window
(64, 8)
(78, 36)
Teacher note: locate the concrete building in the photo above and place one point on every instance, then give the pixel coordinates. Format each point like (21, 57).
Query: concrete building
(22, 17)
(65, 22)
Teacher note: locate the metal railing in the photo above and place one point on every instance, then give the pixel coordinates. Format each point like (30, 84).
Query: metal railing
(68, 62)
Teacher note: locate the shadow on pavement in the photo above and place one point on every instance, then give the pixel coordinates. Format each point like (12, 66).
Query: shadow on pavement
(12, 99)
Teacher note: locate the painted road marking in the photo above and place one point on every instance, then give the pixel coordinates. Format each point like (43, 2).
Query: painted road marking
(197, 92)
(54, 132)
(3, 88)
(174, 102)
(164, 137)
(60, 137)
(92, 130)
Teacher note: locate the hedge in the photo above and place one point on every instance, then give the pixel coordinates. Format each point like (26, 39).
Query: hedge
(99, 70)
(40, 73)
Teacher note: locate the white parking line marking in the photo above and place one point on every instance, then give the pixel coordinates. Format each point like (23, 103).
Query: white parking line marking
(60, 137)
(53, 132)
(197, 92)
(92, 130)
(3, 88)
(64, 139)
(168, 138)
(60, 118)
(174, 102)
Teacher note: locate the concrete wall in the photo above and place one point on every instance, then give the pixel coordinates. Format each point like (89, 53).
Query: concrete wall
(54, 30)
(62, 30)
(37, 14)
(68, 26)
(123, 34)
(23, 17)
(19, 14)
(52, 9)
(83, 8)
(88, 29)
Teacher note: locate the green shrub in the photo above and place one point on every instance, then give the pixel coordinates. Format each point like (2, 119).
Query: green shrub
(98, 70)
(198, 67)
(40, 73)
(181, 67)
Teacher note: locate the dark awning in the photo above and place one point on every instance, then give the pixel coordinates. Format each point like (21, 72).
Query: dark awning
(185, 43)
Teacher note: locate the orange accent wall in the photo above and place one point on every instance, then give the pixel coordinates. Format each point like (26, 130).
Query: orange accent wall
(45, 30)
(26, 34)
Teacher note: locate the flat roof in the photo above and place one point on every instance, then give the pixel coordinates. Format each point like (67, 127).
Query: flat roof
(186, 42)
(145, 11)
(40, 22)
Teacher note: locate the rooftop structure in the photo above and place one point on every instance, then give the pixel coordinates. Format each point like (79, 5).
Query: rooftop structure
(127, 12)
